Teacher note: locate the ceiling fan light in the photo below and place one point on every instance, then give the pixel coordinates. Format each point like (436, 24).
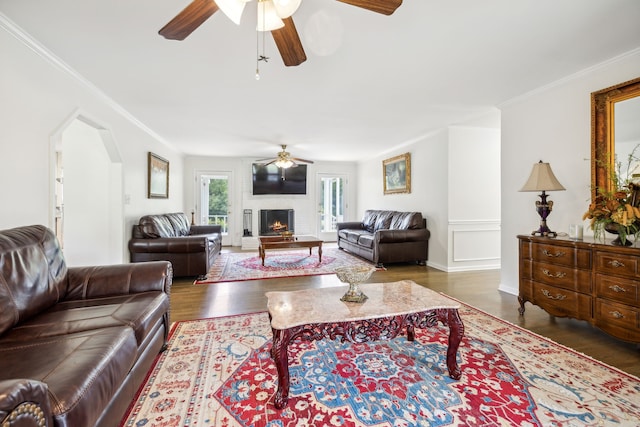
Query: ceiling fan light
(284, 164)
(286, 8)
(232, 8)
(268, 19)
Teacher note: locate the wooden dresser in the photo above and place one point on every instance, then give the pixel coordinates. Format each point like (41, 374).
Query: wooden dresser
(596, 282)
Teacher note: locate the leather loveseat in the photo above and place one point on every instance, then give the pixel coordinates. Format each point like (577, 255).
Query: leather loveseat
(191, 249)
(385, 236)
(76, 343)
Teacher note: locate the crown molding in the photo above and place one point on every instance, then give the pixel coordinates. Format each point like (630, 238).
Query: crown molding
(27, 40)
(569, 78)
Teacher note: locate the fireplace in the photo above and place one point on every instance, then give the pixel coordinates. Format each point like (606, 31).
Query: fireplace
(275, 221)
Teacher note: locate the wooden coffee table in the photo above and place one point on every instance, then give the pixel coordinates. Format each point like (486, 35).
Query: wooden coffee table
(279, 242)
(315, 314)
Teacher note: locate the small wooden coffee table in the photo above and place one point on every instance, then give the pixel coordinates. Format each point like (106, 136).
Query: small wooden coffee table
(280, 242)
(315, 314)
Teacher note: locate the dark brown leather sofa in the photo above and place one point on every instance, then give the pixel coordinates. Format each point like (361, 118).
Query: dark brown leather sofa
(76, 343)
(191, 249)
(387, 237)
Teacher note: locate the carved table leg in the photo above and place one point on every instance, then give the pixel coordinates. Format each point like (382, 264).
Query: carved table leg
(411, 334)
(451, 318)
(521, 301)
(281, 358)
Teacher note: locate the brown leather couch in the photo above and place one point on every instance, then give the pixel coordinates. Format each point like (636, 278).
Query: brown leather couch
(387, 237)
(76, 343)
(191, 249)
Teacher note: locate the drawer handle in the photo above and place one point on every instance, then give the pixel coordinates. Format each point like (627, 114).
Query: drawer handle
(615, 263)
(557, 297)
(616, 314)
(550, 255)
(558, 275)
(616, 288)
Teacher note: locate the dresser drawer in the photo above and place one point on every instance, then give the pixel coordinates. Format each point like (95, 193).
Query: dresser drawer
(562, 276)
(617, 289)
(561, 302)
(609, 313)
(562, 255)
(617, 264)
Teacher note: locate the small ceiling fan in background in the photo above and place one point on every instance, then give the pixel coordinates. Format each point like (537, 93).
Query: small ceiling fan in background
(283, 29)
(283, 160)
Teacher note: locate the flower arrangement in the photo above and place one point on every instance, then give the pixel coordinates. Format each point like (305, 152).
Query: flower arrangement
(616, 210)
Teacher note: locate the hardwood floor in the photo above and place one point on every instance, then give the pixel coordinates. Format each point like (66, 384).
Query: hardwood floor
(478, 288)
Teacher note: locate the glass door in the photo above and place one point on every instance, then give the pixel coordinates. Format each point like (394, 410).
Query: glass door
(331, 204)
(215, 206)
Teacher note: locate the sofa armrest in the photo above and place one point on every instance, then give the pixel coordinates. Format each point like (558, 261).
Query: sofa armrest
(120, 279)
(205, 229)
(24, 402)
(399, 236)
(352, 225)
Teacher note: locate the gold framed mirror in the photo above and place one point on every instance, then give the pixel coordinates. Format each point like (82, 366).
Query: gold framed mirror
(614, 111)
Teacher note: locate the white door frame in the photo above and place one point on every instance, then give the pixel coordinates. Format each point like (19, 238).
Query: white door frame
(227, 238)
(330, 236)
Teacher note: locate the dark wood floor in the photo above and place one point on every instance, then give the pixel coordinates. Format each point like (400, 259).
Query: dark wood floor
(478, 288)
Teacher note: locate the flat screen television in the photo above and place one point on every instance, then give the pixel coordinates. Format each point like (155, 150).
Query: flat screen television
(273, 180)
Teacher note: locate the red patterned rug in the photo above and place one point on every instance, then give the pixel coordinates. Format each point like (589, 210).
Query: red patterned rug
(238, 266)
(218, 372)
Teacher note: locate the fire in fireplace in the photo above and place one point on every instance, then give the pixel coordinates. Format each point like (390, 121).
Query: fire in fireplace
(275, 221)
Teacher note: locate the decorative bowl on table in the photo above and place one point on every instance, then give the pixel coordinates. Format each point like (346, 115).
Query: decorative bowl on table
(354, 275)
(287, 235)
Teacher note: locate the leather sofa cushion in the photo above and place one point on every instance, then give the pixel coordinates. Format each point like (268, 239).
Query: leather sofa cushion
(24, 290)
(164, 225)
(369, 220)
(83, 371)
(366, 240)
(406, 221)
(383, 220)
(141, 312)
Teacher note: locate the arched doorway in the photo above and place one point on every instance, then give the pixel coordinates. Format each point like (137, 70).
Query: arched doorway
(88, 207)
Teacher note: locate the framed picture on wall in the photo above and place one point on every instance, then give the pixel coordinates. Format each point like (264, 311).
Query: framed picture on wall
(158, 177)
(396, 174)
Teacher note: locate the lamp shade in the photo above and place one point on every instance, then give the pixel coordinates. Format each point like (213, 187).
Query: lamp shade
(542, 179)
(286, 8)
(232, 8)
(268, 19)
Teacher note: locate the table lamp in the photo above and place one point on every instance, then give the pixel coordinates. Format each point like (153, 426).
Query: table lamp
(543, 179)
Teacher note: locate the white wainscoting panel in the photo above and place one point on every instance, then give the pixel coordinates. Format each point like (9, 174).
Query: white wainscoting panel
(474, 245)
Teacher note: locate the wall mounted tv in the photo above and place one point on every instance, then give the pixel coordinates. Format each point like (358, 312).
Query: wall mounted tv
(273, 180)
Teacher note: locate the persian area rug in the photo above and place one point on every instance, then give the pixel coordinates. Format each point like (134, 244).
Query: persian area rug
(237, 266)
(218, 372)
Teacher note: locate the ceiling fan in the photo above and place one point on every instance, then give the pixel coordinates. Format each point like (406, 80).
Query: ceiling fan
(286, 36)
(283, 160)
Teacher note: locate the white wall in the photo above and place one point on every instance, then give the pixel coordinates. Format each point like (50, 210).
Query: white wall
(552, 124)
(474, 198)
(305, 206)
(38, 94)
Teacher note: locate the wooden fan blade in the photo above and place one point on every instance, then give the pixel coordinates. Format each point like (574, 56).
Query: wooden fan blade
(267, 160)
(301, 160)
(189, 19)
(289, 44)
(386, 7)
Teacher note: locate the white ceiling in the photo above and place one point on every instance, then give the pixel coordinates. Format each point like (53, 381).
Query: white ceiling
(370, 82)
